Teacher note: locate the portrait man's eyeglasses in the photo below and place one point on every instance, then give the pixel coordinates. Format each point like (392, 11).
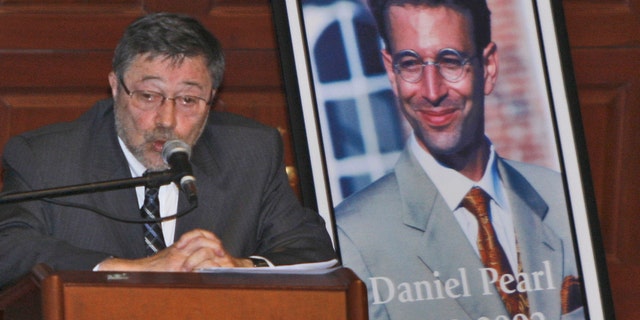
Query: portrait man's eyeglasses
(449, 62)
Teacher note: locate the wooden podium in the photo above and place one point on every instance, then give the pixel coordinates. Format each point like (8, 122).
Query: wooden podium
(45, 294)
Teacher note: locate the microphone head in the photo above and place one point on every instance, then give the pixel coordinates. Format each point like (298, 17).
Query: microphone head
(172, 146)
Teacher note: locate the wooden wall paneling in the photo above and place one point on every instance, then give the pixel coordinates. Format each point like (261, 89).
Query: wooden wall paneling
(602, 23)
(29, 110)
(252, 70)
(605, 45)
(600, 111)
(242, 2)
(616, 151)
(64, 28)
(40, 71)
(243, 27)
(191, 7)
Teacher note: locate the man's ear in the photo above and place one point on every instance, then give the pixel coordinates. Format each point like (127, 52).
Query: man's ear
(388, 66)
(490, 63)
(113, 83)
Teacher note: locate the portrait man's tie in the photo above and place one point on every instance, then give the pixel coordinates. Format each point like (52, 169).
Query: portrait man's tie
(152, 230)
(491, 253)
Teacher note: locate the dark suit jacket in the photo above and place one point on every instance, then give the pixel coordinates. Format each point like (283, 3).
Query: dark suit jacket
(244, 196)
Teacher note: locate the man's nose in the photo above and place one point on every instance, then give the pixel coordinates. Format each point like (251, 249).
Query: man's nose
(166, 114)
(432, 84)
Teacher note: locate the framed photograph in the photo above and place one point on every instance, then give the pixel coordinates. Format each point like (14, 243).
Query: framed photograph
(399, 109)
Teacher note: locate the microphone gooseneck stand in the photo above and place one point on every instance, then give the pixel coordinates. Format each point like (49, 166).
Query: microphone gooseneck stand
(152, 178)
(149, 179)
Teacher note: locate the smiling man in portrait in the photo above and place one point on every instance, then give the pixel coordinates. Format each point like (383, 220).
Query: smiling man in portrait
(455, 231)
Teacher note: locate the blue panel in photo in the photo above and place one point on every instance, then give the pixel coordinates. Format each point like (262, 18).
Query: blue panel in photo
(330, 56)
(387, 121)
(344, 126)
(351, 184)
(368, 44)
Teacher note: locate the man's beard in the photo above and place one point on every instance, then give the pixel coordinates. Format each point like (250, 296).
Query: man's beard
(149, 137)
(139, 151)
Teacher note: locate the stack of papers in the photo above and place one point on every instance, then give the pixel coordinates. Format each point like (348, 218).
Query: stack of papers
(302, 268)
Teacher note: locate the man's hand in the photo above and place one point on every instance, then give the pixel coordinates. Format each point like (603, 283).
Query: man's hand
(204, 250)
(194, 250)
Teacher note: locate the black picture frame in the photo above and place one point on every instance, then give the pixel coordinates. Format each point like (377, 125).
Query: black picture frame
(544, 25)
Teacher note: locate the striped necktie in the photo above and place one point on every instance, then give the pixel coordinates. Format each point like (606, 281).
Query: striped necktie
(152, 230)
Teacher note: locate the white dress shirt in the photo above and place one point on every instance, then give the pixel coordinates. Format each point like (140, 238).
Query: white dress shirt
(453, 186)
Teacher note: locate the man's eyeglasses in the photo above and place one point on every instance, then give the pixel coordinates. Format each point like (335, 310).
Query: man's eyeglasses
(449, 62)
(149, 100)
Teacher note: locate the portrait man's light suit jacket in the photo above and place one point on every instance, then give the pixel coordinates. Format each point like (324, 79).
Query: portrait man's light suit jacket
(244, 196)
(402, 239)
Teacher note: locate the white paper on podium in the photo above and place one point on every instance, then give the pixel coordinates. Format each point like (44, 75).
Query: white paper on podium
(302, 268)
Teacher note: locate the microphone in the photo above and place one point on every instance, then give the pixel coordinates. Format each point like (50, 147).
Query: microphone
(176, 154)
